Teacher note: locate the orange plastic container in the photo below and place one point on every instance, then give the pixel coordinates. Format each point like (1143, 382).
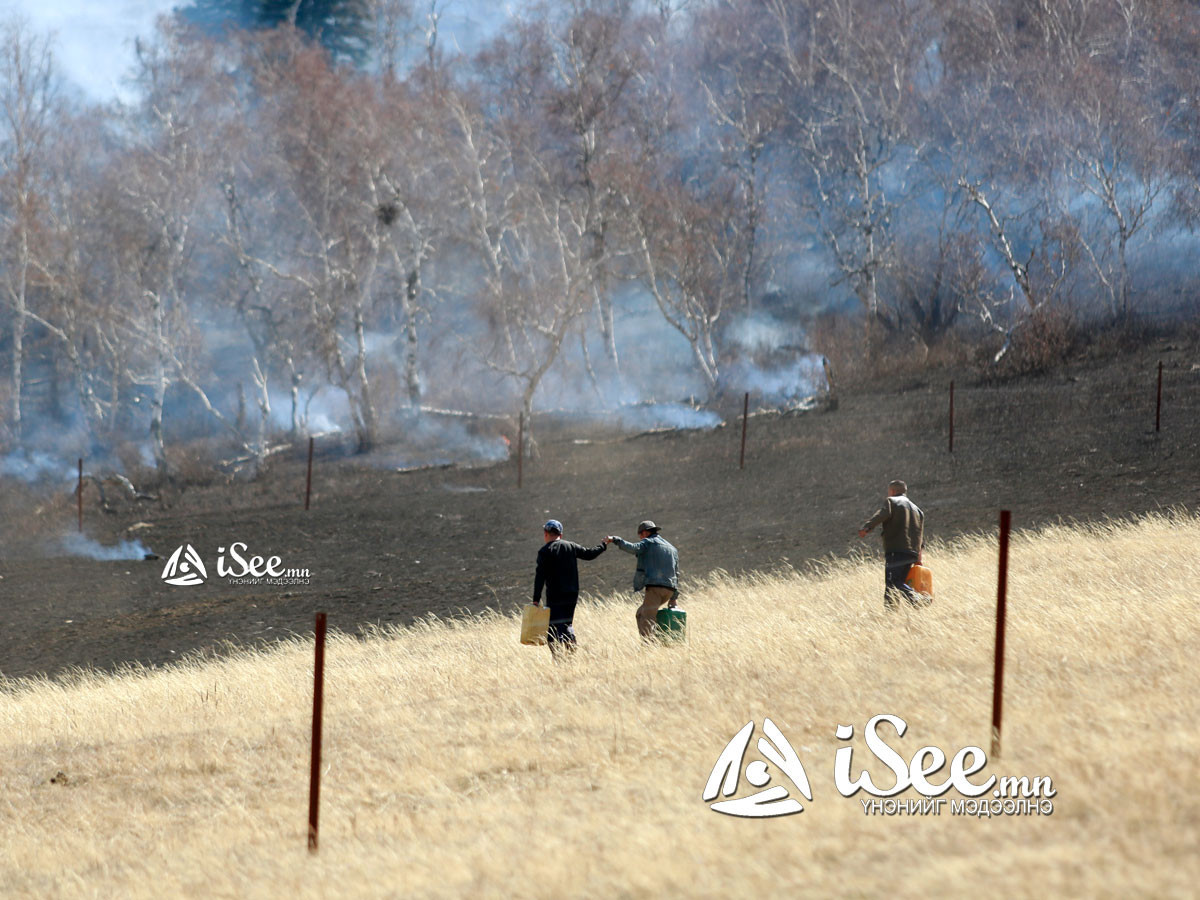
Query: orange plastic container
(535, 622)
(920, 579)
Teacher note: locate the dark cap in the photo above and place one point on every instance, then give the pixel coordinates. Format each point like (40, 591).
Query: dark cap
(647, 525)
(553, 526)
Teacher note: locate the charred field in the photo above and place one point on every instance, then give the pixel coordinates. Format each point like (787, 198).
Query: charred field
(384, 546)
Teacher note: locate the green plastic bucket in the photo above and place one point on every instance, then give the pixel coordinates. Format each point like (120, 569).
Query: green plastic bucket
(672, 624)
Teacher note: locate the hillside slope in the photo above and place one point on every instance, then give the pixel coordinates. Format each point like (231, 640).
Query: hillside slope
(458, 762)
(388, 547)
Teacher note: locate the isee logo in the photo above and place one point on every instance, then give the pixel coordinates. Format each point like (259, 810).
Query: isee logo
(923, 771)
(184, 568)
(773, 801)
(236, 566)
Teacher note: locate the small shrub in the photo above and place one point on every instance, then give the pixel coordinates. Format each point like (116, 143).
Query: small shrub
(1040, 344)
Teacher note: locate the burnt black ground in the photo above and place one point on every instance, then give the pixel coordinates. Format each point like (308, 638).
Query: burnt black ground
(387, 547)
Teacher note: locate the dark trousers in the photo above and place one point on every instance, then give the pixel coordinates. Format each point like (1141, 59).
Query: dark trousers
(561, 635)
(896, 567)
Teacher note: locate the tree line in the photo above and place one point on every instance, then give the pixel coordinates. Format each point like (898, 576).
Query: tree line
(299, 178)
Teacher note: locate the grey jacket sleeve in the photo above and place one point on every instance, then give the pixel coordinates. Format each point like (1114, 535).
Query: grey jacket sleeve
(627, 546)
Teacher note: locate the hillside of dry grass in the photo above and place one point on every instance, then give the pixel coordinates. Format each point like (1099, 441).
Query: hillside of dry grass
(459, 762)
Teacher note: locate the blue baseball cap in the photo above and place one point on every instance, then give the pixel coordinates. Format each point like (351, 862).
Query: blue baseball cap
(553, 525)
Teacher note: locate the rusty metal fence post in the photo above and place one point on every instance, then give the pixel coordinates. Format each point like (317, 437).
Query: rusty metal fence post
(745, 419)
(308, 477)
(1001, 613)
(1158, 403)
(314, 778)
(952, 417)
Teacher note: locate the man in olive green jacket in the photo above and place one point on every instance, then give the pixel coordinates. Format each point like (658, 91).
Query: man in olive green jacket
(903, 537)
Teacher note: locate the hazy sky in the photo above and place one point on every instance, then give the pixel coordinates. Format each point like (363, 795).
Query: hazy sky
(94, 38)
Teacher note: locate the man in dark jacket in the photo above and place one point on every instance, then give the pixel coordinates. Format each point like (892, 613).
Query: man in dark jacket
(558, 573)
(903, 536)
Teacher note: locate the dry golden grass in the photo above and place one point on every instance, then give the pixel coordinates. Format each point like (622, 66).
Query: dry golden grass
(461, 763)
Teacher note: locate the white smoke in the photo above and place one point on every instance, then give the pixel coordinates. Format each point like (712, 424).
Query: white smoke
(760, 333)
(81, 545)
(321, 411)
(784, 384)
(771, 361)
(435, 441)
(650, 416)
(36, 466)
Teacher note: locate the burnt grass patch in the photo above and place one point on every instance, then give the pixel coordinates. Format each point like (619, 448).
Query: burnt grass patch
(389, 547)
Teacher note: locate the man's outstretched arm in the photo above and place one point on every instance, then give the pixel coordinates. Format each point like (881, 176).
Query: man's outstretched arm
(881, 516)
(625, 545)
(590, 552)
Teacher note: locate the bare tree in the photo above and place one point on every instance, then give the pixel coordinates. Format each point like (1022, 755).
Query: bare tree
(744, 99)
(356, 169)
(406, 36)
(164, 182)
(26, 110)
(530, 242)
(994, 118)
(393, 30)
(271, 311)
(411, 187)
(581, 71)
(269, 318)
(936, 277)
(849, 67)
(688, 240)
(1177, 42)
(80, 312)
(326, 143)
(1117, 136)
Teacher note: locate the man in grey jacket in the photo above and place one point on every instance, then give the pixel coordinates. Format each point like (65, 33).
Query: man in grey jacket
(903, 537)
(657, 573)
